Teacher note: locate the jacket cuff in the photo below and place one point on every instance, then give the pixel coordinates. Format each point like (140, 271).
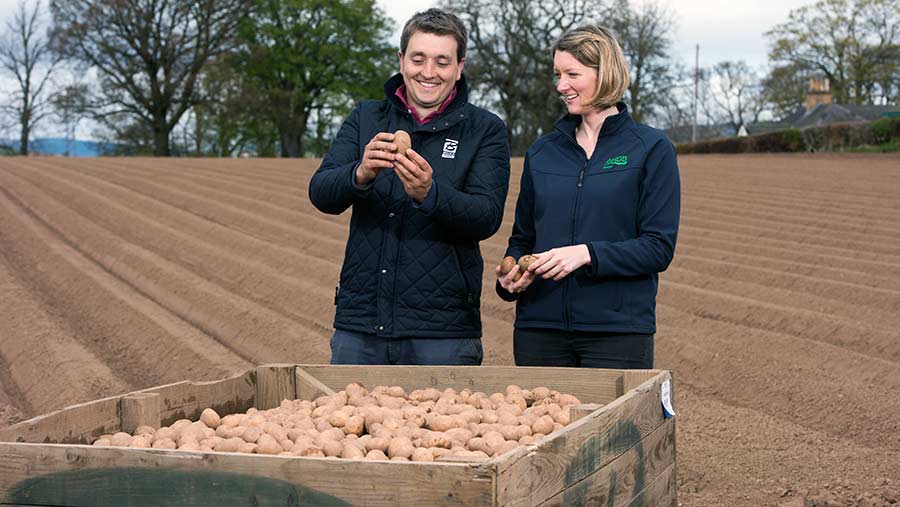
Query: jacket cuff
(505, 294)
(357, 188)
(428, 204)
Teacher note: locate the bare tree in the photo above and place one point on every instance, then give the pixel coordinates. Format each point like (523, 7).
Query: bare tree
(509, 61)
(854, 43)
(70, 107)
(148, 54)
(25, 54)
(645, 33)
(735, 94)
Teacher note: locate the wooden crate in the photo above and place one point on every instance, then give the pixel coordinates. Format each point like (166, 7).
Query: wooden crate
(622, 453)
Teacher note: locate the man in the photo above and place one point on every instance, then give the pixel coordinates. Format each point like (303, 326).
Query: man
(410, 286)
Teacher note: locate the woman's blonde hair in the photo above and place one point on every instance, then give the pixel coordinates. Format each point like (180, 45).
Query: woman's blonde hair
(596, 47)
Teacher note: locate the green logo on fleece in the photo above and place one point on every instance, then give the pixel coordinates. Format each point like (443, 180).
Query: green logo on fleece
(620, 160)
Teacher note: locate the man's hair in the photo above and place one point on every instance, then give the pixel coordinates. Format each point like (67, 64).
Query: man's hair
(596, 47)
(437, 22)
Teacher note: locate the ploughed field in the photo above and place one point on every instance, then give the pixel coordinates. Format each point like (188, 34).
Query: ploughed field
(780, 316)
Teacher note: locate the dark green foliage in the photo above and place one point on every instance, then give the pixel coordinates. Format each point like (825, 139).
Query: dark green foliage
(792, 139)
(886, 129)
(148, 56)
(307, 62)
(854, 43)
(835, 137)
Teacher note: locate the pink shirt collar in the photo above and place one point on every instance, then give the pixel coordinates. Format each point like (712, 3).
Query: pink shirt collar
(401, 94)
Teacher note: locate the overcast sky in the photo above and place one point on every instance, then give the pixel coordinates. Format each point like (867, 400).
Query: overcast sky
(725, 30)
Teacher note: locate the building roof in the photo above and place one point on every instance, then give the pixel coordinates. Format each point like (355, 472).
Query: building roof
(824, 114)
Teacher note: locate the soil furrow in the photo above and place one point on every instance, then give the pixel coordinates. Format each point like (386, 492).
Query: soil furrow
(847, 395)
(129, 332)
(712, 304)
(146, 278)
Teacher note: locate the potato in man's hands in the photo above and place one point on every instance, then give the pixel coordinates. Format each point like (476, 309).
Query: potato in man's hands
(403, 141)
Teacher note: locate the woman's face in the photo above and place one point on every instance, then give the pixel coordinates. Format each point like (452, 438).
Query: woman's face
(575, 82)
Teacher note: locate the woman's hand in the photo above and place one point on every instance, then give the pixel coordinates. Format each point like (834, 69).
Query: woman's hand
(507, 282)
(558, 263)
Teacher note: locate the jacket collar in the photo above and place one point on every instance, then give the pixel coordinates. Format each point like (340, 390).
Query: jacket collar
(462, 95)
(611, 125)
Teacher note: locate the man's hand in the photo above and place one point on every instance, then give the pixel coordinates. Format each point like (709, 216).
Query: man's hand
(415, 174)
(378, 156)
(506, 281)
(558, 263)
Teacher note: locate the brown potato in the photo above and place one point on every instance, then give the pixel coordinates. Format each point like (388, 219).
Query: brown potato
(210, 418)
(376, 455)
(403, 141)
(268, 445)
(507, 264)
(164, 443)
(525, 261)
(144, 430)
(120, 439)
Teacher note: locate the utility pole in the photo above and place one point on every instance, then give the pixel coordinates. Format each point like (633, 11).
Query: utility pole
(696, 94)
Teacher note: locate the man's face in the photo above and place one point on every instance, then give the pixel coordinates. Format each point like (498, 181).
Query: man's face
(430, 69)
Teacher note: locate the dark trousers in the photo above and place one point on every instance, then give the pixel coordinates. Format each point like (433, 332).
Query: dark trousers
(550, 347)
(349, 347)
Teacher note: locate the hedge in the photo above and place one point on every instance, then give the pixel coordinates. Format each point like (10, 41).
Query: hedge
(835, 137)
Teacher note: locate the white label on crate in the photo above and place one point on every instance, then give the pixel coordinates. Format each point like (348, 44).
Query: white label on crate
(666, 395)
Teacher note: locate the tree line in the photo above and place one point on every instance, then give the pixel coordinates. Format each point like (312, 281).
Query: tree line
(276, 77)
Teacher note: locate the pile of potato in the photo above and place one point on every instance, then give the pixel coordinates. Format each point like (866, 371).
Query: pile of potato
(386, 423)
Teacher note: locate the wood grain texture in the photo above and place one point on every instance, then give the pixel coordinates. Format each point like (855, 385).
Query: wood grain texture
(274, 383)
(309, 387)
(47, 474)
(535, 473)
(139, 409)
(626, 477)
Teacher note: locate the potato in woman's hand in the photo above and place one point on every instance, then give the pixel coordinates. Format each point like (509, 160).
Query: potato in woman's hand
(525, 261)
(507, 264)
(403, 141)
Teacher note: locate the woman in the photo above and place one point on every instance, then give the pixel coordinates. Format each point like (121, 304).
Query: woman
(598, 206)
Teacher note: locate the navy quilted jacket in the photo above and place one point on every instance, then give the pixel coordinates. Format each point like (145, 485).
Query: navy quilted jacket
(407, 272)
(623, 203)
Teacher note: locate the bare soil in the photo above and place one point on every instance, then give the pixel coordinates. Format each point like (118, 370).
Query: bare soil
(780, 316)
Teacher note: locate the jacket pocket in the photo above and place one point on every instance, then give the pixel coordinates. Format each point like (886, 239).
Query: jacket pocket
(597, 302)
(470, 297)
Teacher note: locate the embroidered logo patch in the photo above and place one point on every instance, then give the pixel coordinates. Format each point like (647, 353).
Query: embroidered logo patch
(620, 160)
(450, 147)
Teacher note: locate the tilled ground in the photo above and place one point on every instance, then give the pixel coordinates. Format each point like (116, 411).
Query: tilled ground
(779, 316)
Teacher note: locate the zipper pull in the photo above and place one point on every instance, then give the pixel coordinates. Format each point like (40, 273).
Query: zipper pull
(581, 175)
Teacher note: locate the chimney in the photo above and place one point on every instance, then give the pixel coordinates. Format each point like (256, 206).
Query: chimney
(818, 93)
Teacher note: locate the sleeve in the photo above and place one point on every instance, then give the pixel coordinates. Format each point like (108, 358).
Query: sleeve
(659, 209)
(475, 212)
(333, 187)
(428, 204)
(521, 241)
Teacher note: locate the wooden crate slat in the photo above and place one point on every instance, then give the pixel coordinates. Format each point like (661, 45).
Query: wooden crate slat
(186, 400)
(532, 474)
(585, 409)
(139, 409)
(590, 386)
(627, 476)
(634, 378)
(69, 475)
(309, 387)
(77, 424)
(274, 383)
(660, 493)
(626, 442)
